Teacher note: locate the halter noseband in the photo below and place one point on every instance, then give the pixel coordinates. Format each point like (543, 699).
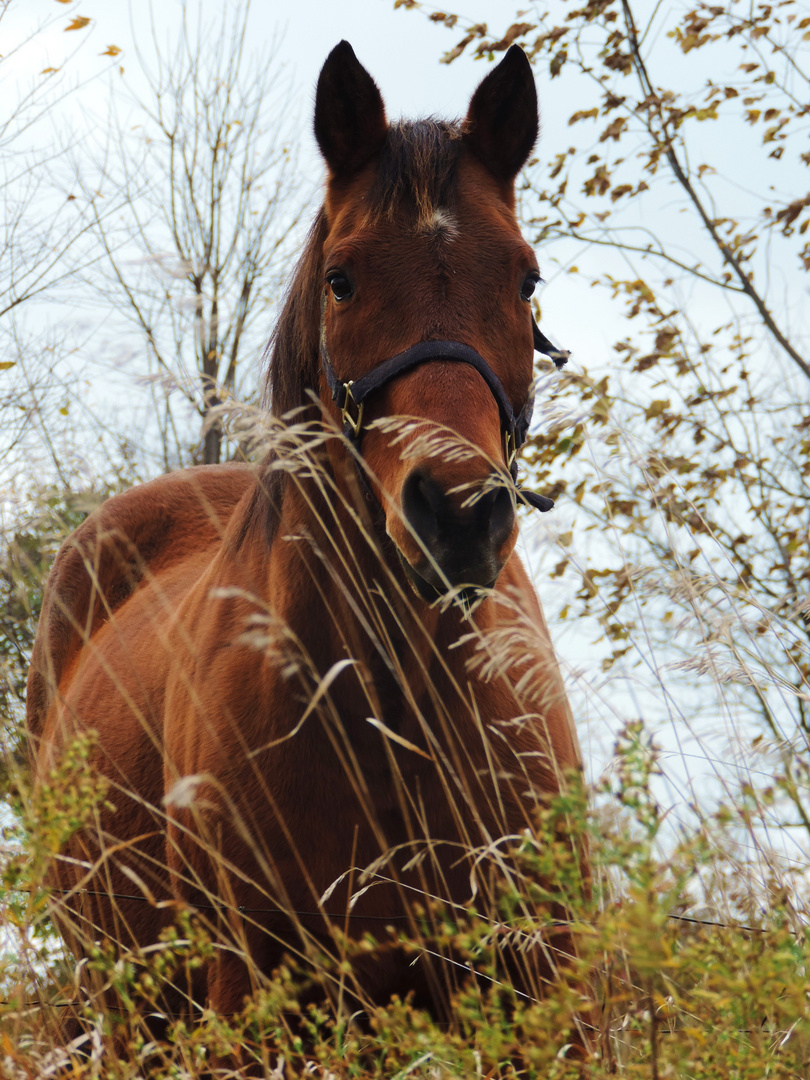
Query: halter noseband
(350, 396)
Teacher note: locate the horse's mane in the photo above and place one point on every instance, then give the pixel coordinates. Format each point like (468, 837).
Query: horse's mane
(416, 175)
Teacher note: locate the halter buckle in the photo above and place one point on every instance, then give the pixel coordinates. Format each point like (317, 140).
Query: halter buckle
(510, 447)
(351, 423)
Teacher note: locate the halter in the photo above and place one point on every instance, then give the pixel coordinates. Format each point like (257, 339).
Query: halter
(350, 397)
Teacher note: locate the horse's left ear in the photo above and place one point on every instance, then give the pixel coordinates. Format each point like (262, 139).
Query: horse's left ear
(502, 123)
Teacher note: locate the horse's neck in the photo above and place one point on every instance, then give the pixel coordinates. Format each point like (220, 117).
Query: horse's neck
(332, 577)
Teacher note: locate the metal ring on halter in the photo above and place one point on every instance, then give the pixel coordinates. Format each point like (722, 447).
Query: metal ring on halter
(351, 424)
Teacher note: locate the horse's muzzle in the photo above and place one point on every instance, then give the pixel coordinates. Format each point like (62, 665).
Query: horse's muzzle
(462, 533)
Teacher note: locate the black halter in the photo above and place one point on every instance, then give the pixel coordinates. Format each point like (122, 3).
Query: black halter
(350, 396)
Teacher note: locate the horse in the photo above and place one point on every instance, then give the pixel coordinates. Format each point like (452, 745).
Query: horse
(320, 690)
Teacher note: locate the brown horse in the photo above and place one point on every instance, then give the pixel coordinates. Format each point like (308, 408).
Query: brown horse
(323, 690)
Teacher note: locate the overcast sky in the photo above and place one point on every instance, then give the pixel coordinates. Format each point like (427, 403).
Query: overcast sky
(402, 50)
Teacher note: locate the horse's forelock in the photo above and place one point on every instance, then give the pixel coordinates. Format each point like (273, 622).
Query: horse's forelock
(417, 170)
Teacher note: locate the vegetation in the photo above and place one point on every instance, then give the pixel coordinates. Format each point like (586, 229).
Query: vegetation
(671, 996)
(671, 197)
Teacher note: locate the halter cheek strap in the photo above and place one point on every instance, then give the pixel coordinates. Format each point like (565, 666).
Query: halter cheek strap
(350, 397)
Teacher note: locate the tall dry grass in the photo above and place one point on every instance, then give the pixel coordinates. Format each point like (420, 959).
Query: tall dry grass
(691, 942)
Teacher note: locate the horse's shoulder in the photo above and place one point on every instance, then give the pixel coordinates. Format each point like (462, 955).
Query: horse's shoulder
(129, 541)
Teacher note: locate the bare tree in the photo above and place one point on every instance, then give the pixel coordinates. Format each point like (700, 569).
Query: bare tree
(44, 244)
(39, 246)
(200, 171)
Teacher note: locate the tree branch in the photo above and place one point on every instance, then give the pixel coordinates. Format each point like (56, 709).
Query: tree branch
(728, 255)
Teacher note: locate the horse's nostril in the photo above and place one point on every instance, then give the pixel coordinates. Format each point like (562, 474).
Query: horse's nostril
(422, 501)
(462, 537)
(502, 516)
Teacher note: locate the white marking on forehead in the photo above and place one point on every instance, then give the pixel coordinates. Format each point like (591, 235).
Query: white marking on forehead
(442, 225)
(443, 219)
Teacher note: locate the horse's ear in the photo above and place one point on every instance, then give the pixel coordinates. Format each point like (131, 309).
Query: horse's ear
(502, 123)
(350, 123)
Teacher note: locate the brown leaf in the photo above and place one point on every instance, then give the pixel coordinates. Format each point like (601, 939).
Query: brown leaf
(614, 129)
(78, 23)
(111, 50)
(557, 61)
(453, 54)
(622, 189)
(515, 30)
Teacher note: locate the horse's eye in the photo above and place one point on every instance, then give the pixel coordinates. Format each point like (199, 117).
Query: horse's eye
(529, 285)
(339, 284)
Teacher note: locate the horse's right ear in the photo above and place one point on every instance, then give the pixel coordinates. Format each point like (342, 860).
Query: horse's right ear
(350, 123)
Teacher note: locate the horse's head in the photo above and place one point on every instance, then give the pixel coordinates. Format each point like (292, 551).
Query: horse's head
(422, 249)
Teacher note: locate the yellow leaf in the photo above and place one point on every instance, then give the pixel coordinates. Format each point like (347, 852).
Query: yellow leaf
(64, 1)
(48, 71)
(78, 23)
(583, 114)
(111, 50)
(6, 364)
(656, 408)
(63, 411)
